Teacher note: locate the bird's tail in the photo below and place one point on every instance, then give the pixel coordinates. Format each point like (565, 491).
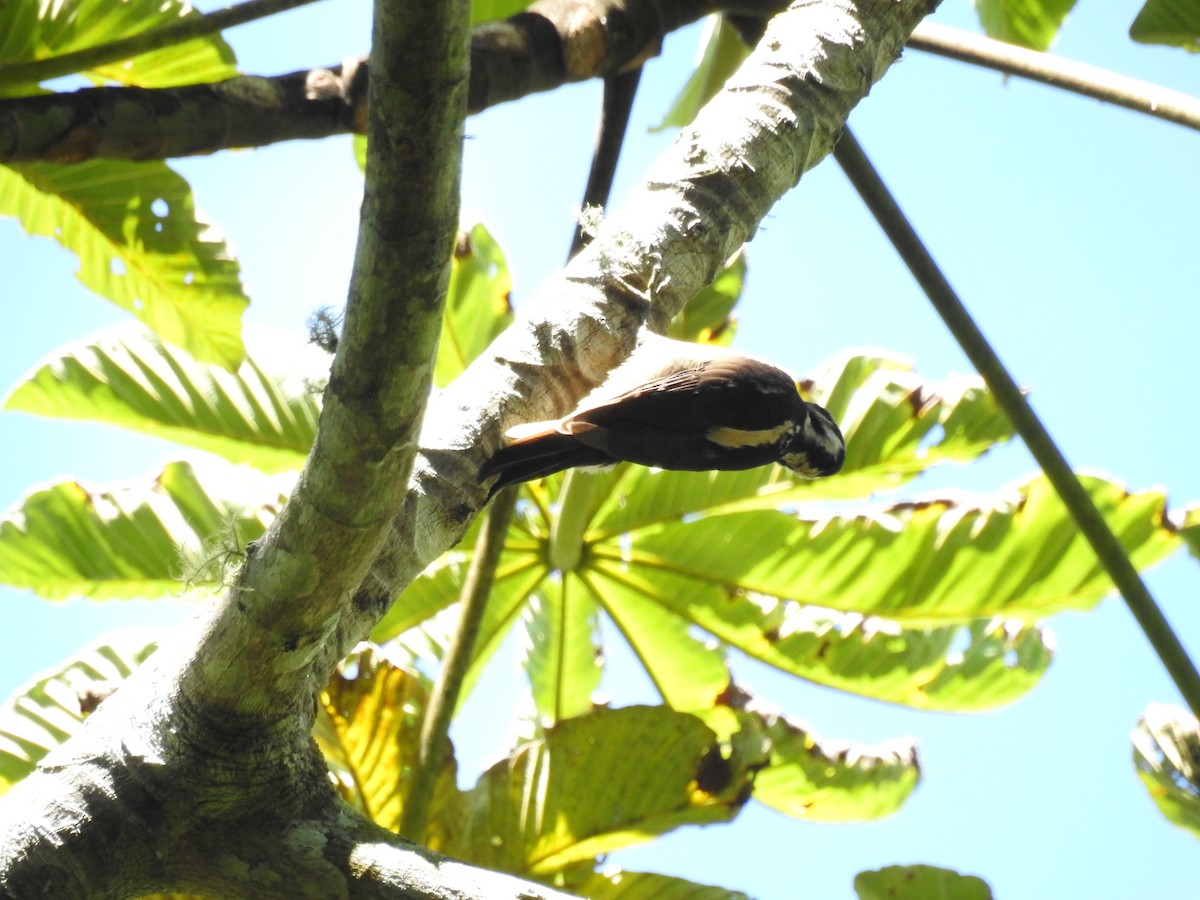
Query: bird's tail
(537, 456)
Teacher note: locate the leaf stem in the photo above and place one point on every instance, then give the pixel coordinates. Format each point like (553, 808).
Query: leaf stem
(1067, 74)
(435, 727)
(1091, 523)
(185, 29)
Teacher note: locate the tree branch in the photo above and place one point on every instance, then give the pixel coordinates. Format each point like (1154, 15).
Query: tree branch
(209, 741)
(187, 28)
(1008, 395)
(1090, 81)
(777, 118)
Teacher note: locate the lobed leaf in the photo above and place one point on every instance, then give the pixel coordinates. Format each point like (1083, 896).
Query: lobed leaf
(598, 782)
(919, 562)
(368, 727)
(47, 711)
(723, 51)
(70, 540)
(477, 303)
(561, 649)
(620, 884)
(1166, 755)
(919, 882)
(263, 415)
(823, 780)
(141, 244)
(37, 31)
(1175, 23)
(1028, 23)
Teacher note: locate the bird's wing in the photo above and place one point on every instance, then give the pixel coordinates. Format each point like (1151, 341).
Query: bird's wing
(734, 392)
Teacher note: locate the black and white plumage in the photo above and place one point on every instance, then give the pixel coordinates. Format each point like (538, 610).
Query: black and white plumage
(679, 406)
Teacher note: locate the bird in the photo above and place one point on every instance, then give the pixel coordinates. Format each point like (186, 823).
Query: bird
(683, 407)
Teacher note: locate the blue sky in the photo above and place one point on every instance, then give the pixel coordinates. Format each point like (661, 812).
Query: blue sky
(1062, 223)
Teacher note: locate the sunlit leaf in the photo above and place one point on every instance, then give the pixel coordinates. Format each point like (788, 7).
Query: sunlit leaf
(922, 562)
(688, 673)
(1175, 23)
(1166, 754)
(368, 729)
(1029, 23)
(618, 884)
(823, 780)
(723, 51)
(605, 780)
(264, 414)
(150, 538)
(141, 243)
(919, 882)
(961, 668)
(37, 31)
(561, 649)
(707, 318)
(44, 713)
(477, 303)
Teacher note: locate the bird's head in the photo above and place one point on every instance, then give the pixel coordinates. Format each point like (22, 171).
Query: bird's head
(816, 448)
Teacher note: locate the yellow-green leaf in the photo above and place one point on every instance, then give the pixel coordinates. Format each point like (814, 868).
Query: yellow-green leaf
(141, 244)
(46, 712)
(1166, 754)
(263, 415)
(150, 538)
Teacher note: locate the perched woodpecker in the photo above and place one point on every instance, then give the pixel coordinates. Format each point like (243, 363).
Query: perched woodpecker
(681, 406)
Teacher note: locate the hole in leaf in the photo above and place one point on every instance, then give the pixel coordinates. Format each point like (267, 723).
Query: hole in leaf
(116, 265)
(160, 208)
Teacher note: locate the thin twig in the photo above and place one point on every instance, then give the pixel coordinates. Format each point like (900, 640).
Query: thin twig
(435, 727)
(619, 91)
(1090, 522)
(1090, 81)
(185, 29)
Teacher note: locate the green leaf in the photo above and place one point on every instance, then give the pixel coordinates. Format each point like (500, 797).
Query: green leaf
(1166, 755)
(477, 307)
(1175, 23)
(45, 713)
(919, 883)
(562, 649)
(1189, 528)
(1028, 23)
(368, 727)
(723, 52)
(488, 10)
(151, 538)
(624, 885)
(707, 318)
(688, 673)
(833, 781)
(873, 657)
(579, 792)
(141, 243)
(923, 562)
(37, 31)
(263, 415)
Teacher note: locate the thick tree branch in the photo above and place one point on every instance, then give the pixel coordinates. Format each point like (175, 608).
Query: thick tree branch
(209, 743)
(779, 116)
(552, 43)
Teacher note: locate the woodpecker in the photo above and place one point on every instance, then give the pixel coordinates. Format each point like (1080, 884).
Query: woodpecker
(680, 406)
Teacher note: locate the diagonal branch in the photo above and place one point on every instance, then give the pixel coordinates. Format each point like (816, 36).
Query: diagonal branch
(778, 117)
(1008, 395)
